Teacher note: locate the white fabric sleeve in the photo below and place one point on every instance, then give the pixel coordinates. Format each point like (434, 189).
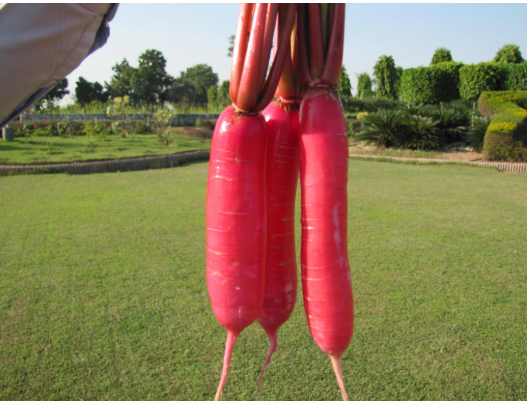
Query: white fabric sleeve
(40, 44)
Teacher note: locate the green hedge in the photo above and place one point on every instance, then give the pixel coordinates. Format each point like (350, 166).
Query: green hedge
(431, 85)
(478, 78)
(516, 77)
(506, 137)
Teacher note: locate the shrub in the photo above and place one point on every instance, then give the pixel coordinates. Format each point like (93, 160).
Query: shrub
(476, 135)
(506, 135)
(382, 128)
(441, 55)
(421, 133)
(373, 105)
(431, 85)
(477, 78)
(516, 77)
(451, 123)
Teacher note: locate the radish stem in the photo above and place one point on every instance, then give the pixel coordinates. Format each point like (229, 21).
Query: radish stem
(315, 41)
(333, 65)
(303, 63)
(274, 76)
(240, 48)
(324, 25)
(270, 25)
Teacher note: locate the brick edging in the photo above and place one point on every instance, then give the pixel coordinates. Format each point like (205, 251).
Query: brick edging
(520, 168)
(113, 166)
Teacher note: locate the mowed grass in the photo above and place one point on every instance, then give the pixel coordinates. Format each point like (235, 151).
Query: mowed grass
(103, 293)
(46, 150)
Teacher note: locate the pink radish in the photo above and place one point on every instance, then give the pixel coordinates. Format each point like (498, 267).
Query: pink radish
(326, 279)
(236, 213)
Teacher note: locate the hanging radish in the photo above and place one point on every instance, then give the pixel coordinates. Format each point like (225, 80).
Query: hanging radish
(281, 178)
(235, 209)
(326, 279)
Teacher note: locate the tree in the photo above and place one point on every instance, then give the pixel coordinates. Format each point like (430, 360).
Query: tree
(364, 86)
(231, 47)
(441, 55)
(212, 95)
(181, 92)
(344, 83)
(87, 92)
(150, 80)
(120, 84)
(224, 98)
(509, 54)
(386, 77)
(58, 92)
(202, 77)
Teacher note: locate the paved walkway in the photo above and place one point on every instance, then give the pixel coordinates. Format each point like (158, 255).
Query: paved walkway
(501, 166)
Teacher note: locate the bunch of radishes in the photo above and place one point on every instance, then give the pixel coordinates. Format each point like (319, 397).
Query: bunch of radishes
(254, 163)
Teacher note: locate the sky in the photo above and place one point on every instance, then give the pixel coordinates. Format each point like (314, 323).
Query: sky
(189, 34)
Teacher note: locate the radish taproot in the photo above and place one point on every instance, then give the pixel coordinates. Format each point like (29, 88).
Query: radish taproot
(235, 209)
(326, 279)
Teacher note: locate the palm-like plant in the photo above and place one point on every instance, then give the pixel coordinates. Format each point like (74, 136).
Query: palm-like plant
(451, 122)
(382, 128)
(476, 135)
(421, 133)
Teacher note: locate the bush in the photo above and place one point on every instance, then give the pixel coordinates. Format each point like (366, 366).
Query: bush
(355, 105)
(382, 128)
(431, 85)
(421, 133)
(516, 77)
(476, 135)
(506, 135)
(451, 123)
(207, 124)
(474, 79)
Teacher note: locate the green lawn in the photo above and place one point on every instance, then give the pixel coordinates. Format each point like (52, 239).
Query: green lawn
(103, 295)
(56, 149)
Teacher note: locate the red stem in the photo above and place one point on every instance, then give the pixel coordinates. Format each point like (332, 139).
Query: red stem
(301, 39)
(248, 91)
(276, 70)
(336, 47)
(286, 86)
(240, 48)
(270, 25)
(315, 41)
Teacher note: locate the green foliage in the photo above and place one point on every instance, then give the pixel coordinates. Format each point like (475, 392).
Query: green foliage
(421, 85)
(164, 118)
(431, 85)
(224, 98)
(509, 54)
(386, 77)
(421, 133)
(451, 123)
(476, 135)
(441, 55)
(212, 95)
(202, 77)
(150, 80)
(506, 137)
(477, 78)
(231, 45)
(344, 83)
(58, 92)
(516, 77)
(94, 128)
(121, 83)
(87, 92)
(381, 128)
(364, 86)
(371, 105)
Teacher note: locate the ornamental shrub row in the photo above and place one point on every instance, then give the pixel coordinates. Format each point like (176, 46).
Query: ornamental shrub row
(506, 137)
(449, 81)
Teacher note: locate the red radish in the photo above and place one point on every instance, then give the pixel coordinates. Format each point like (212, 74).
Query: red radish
(326, 279)
(281, 178)
(236, 214)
